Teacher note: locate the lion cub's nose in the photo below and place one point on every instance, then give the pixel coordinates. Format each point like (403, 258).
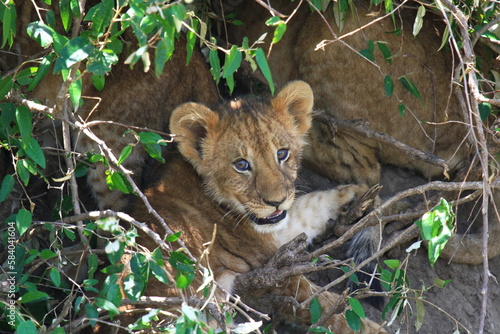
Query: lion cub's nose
(275, 204)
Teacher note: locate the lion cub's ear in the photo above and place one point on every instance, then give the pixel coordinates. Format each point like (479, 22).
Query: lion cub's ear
(296, 99)
(192, 121)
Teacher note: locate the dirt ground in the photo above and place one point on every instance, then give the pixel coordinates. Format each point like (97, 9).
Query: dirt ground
(459, 302)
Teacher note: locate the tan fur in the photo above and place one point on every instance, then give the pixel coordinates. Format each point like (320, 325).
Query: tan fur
(206, 193)
(347, 86)
(133, 97)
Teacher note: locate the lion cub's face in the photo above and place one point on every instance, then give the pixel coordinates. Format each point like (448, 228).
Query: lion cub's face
(247, 152)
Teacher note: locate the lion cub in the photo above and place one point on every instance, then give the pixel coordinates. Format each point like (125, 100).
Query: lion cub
(235, 175)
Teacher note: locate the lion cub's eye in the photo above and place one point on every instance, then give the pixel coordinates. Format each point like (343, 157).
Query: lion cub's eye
(283, 154)
(241, 165)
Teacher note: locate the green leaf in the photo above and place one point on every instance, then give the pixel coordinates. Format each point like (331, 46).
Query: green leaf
(340, 11)
(182, 281)
(393, 264)
(401, 109)
(149, 137)
(232, 61)
(410, 86)
(23, 118)
(65, 14)
(115, 250)
(357, 307)
(26, 327)
(43, 69)
(179, 14)
(185, 267)
(388, 86)
(437, 227)
(174, 237)
(191, 40)
(441, 283)
(108, 306)
(101, 61)
(144, 322)
(6, 85)
(280, 28)
(116, 180)
(214, 65)
(111, 290)
(100, 15)
(386, 52)
(78, 303)
(316, 310)
(75, 8)
(76, 50)
(98, 80)
(272, 21)
(23, 221)
(25, 76)
(420, 314)
(134, 286)
(47, 254)
(92, 313)
(353, 320)
(8, 24)
(419, 20)
(7, 116)
(163, 52)
(55, 276)
(279, 32)
(88, 285)
(139, 266)
(58, 330)
(230, 83)
(354, 278)
(155, 152)
(113, 269)
(159, 272)
(368, 52)
(446, 35)
(6, 187)
(34, 151)
(92, 264)
(389, 7)
(22, 172)
(34, 296)
(484, 110)
(264, 67)
(125, 154)
(136, 55)
(41, 33)
(75, 91)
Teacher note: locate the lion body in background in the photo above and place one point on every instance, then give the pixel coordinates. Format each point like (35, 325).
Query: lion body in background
(349, 87)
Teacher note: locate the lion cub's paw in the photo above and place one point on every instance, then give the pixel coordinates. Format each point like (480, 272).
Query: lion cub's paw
(356, 200)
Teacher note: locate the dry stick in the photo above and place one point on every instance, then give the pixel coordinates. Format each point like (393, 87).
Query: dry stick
(271, 10)
(410, 231)
(372, 218)
(470, 81)
(362, 129)
(324, 43)
(63, 105)
(95, 215)
(16, 98)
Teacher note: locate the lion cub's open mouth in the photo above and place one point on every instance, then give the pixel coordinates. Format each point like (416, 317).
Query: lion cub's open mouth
(273, 218)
